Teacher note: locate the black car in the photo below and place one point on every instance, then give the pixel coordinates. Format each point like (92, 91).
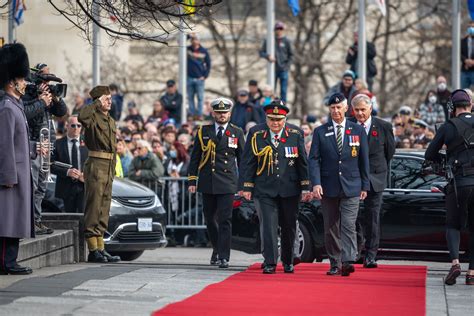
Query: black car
(137, 218)
(413, 217)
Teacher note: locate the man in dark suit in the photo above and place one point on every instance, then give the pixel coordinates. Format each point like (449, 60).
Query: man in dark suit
(216, 154)
(276, 174)
(381, 150)
(70, 182)
(339, 167)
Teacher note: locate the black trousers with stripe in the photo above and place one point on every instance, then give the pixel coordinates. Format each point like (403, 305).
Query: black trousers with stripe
(8, 252)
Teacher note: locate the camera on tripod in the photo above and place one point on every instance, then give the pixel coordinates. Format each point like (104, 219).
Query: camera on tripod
(58, 90)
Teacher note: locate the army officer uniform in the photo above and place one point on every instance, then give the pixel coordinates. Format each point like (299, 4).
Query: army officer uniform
(276, 173)
(99, 170)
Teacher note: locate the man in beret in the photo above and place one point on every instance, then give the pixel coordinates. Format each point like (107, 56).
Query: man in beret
(339, 169)
(276, 175)
(172, 101)
(99, 169)
(16, 211)
(216, 154)
(458, 136)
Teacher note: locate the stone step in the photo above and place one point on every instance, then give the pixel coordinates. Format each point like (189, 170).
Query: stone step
(48, 250)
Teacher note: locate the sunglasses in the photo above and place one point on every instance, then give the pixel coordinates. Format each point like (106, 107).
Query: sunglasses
(76, 125)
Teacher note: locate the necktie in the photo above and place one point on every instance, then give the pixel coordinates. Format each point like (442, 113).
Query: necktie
(74, 158)
(276, 141)
(219, 133)
(365, 129)
(339, 138)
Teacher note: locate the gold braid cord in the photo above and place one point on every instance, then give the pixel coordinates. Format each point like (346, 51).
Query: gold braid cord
(207, 151)
(265, 154)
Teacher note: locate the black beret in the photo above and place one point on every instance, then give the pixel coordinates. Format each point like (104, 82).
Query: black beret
(336, 98)
(14, 63)
(170, 83)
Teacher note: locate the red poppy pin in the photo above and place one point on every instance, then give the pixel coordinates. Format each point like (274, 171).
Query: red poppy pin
(374, 133)
(348, 131)
(283, 140)
(249, 109)
(227, 133)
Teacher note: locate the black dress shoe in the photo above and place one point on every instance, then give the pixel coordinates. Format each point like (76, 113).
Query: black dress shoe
(224, 264)
(469, 279)
(454, 272)
(262, 266)
(96, 257)
(370, 264)
(334, 270)
(347, 269)
(17, 270)
(296, 260)
(214, 260)
(269, 269)
(109, 257)
(288, 268)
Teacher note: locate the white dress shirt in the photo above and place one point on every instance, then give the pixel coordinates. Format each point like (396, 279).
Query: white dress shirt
(216, 126)
(69, 150)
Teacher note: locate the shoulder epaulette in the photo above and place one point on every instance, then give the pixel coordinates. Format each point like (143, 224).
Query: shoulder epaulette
(233, 125)
(292, 130)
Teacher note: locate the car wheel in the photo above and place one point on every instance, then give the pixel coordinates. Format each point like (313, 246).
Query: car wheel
(127, 255)
(306, 244)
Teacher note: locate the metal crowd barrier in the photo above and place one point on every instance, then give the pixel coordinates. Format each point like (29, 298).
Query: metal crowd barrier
(187, 213)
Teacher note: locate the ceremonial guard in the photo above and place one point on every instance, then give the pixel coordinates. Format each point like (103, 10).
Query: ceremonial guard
(276, 174)
(216, 154)
(99, 169)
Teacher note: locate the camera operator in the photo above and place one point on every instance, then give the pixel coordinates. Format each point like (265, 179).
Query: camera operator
(458, 136)
(40, 103)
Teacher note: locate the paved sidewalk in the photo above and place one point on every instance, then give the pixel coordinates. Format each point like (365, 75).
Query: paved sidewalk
(163, 276)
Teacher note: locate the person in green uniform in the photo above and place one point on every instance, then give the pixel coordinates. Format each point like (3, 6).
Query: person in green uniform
(99, 169)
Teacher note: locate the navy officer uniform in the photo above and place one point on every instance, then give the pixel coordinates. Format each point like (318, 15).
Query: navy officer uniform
(458, 136)
(216, 154)
(339, 167)
(276, 174)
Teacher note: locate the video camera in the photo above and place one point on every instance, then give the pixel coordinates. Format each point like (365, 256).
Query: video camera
(58, 90)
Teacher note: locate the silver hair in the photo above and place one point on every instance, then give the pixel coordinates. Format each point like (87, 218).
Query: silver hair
(361, 98)
(144, 143)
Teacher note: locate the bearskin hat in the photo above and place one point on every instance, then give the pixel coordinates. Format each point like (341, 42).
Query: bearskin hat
(13, 63)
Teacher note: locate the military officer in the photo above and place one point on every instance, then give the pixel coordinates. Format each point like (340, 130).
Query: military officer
(99, 169)
(216, 154)
(276, 174)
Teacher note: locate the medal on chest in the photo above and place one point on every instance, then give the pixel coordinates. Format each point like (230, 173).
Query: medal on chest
(354, 142)
(291, 152)
(232, 142)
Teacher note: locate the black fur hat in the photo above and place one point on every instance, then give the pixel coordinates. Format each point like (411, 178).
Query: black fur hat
(13, 63)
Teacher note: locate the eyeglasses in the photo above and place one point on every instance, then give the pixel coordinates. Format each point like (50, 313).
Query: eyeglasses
(140, 148)
(76, 125)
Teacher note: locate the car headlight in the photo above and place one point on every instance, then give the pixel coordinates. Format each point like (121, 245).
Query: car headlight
(158, 205)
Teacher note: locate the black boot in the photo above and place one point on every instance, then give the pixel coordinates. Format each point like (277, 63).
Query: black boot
(109, 257)
(96, 257)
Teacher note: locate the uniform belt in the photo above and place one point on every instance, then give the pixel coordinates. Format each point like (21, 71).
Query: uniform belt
(101, 154)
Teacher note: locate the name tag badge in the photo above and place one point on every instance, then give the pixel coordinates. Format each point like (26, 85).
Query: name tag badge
(232, 143)
(205, 137)
(329, 134)
(291, 152)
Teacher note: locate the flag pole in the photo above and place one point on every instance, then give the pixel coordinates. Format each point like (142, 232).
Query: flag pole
(456, 46)
(11, 23)
(362, 44)
(182, 73)
(95, 46)
(271, 42)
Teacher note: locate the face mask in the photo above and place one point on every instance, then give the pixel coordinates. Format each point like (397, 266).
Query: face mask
(442, 86)
(173, 154)
(432, 99)
(470, 30)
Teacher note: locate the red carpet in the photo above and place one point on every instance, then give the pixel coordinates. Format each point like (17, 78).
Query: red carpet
(387, 290)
